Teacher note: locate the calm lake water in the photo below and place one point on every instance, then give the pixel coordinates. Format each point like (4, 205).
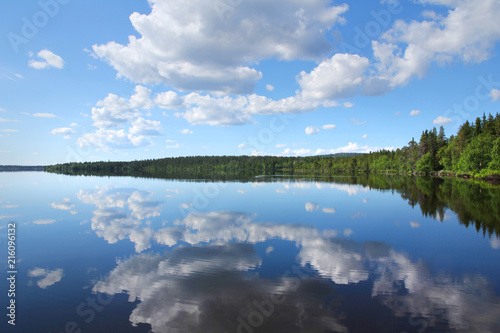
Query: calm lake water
(269, 254)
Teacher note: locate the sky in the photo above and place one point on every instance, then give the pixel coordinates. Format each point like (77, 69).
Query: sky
(134, 79)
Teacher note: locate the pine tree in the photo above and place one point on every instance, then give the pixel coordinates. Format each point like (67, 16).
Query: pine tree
(477, 127)
(464, 135)
(441, 138)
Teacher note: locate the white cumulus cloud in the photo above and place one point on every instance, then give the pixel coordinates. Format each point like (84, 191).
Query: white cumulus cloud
(169, 100)
(311, 206)
(337, 77)
(120, 122)
(467, 33)
(113, 111)
(48, 59)
(142, 98)
(441, 120)
(106, 139)
(312, 130)
(495, 95)
(212, 56)
(63, 131)
(143, 126)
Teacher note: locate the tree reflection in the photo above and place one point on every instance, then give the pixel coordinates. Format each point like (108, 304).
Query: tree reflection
(477, 204)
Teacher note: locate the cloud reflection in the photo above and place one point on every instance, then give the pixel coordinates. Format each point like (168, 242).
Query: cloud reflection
(176, 288)
(48, 278)
(495, 243)
(211, 275)
(120, 213)
(65, 204)
(219, 268)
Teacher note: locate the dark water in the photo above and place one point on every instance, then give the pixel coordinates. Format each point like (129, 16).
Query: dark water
(270, 254)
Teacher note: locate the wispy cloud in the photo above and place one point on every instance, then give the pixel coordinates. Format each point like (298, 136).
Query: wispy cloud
(3, 120)
(44, 221)
(65, 131)
(357, 122)
(329, 127)
(414, 225)
(44, 115)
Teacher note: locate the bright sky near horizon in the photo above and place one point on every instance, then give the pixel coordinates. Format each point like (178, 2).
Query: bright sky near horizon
(135, 79)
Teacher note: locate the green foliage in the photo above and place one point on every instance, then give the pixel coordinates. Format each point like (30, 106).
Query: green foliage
(426, 164)
(475, 150)
(477, 155)
(495, 156)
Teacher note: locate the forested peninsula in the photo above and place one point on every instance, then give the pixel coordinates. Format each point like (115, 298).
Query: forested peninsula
(473, 152)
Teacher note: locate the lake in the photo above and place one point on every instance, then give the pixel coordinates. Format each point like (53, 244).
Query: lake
(262, 254)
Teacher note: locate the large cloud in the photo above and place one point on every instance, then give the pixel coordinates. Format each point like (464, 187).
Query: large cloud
(209, 48)
(224, 111)
(468, 33)
(191, 46)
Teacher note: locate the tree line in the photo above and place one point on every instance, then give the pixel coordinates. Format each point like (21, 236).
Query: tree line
(473, 151)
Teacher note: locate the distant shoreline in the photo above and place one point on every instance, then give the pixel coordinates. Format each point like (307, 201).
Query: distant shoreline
(22, 168)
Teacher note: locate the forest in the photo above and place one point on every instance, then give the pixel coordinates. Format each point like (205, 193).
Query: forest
(473, 152)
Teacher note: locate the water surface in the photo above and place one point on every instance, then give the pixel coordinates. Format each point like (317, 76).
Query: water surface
(268, 254)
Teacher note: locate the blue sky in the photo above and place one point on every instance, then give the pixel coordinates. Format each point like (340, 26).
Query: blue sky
(94, 80)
